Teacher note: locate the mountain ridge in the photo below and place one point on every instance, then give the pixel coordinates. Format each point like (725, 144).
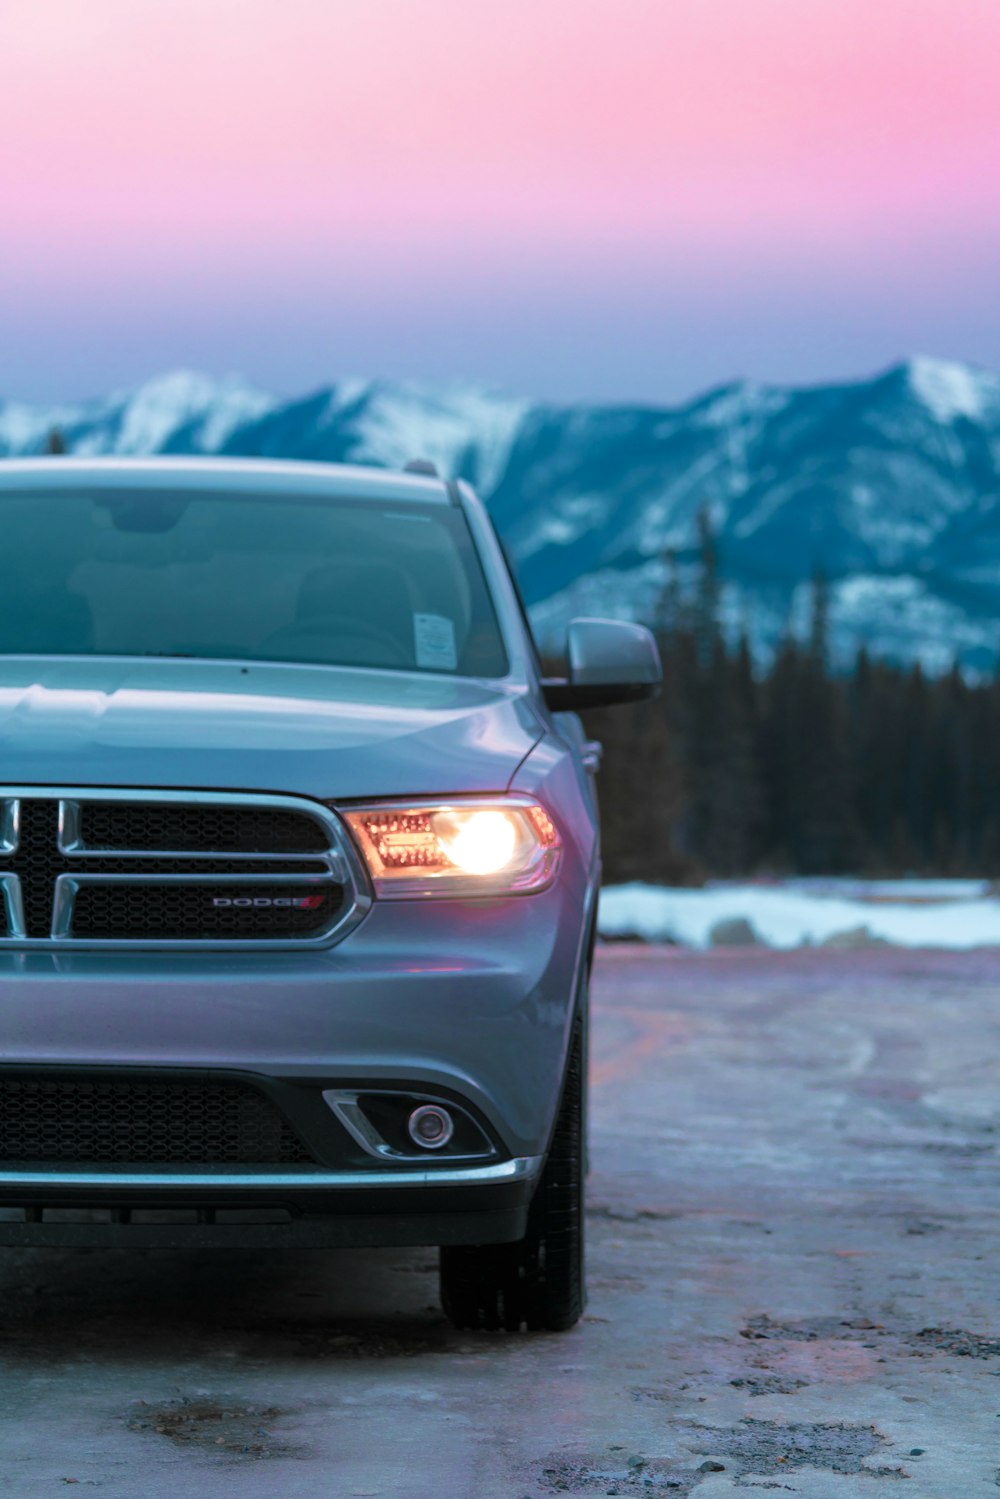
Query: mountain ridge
(890, 484)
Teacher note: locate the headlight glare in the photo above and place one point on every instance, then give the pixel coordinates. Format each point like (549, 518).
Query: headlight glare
(463, 848)
(481, 842)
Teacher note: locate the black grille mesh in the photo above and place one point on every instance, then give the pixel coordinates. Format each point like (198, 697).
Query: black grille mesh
(173, 912)
(191, 828)
(117, 1123)
(187, 911)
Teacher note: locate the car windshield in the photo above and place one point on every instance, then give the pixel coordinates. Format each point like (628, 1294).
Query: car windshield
(261, 577)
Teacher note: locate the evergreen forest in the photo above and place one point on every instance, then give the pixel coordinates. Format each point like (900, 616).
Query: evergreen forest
(796, 769)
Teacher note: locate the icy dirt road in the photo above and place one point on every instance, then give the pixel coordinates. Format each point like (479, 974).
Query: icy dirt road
(794, 1242)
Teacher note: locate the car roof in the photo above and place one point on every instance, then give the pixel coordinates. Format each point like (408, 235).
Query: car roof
(223, 475)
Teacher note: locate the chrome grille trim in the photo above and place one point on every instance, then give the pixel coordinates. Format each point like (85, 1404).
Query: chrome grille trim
(337, 864)
(13, 905)
(10, 824)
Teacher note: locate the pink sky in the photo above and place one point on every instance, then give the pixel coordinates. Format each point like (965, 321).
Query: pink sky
(172, 170)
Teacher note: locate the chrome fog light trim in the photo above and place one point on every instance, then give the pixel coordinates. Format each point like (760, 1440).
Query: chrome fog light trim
(391, 1139)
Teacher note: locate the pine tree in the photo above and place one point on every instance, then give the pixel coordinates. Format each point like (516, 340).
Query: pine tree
(706, 604)
(819, 621)
(731, 802)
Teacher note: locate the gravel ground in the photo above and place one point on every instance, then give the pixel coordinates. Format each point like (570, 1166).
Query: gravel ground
(793, 1230)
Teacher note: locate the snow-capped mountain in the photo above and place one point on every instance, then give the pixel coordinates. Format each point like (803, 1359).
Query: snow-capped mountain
(890, 485)
(181, 412)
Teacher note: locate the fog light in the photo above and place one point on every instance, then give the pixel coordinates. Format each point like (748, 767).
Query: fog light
(430, 1126)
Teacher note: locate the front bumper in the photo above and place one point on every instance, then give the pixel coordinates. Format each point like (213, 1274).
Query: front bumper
(458, 1205)
(467, 1000)
(472, 998)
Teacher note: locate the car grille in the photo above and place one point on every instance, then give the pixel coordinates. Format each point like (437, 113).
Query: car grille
(75, 868)
(161, 911)
(118, 1123)
(182, 828)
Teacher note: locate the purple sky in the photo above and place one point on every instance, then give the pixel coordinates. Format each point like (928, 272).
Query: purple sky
(625, 199)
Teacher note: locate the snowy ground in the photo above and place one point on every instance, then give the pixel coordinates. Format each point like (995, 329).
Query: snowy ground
(796, 913)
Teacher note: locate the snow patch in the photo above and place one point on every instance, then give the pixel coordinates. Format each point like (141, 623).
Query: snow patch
(151, 414)
(409, 421)
(950, 390)
(235, 404)
(347, 392)
(605, 594)
(958, 914)
(24, 429)
(737, 404)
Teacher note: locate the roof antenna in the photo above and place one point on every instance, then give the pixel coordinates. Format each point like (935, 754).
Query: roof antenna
(422, 466)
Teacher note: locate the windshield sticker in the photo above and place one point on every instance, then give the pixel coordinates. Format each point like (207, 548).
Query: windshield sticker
(434, 639)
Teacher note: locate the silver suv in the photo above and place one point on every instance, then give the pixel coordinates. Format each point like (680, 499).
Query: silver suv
(299, 861)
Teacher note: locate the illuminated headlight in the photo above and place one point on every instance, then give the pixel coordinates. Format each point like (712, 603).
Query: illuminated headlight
(466, 848)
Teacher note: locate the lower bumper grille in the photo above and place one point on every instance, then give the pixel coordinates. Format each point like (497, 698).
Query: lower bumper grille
(57, 1121)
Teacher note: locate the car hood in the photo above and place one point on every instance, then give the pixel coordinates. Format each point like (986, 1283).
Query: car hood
(326, 732)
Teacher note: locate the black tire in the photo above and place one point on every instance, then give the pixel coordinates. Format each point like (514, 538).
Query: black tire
(538, 1282)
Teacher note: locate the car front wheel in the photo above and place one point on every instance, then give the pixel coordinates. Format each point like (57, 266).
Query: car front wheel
(538, 1282)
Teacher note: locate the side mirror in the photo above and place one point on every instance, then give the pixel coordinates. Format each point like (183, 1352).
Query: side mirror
(609, 662)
